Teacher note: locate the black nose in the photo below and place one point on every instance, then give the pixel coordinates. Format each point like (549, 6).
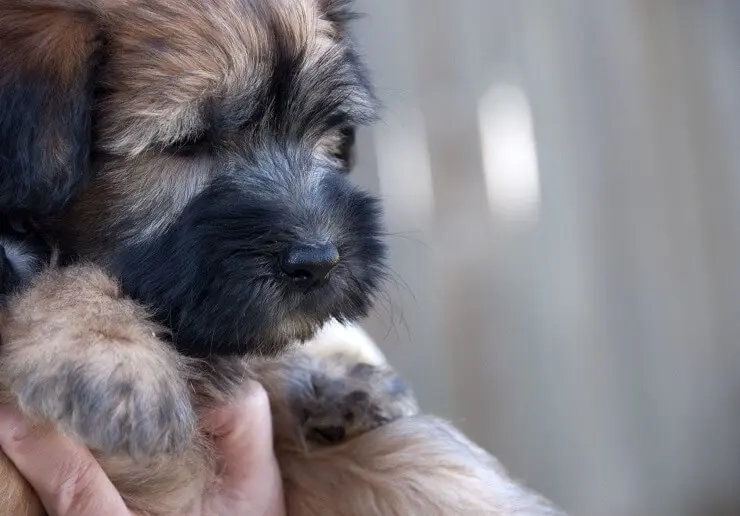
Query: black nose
(309, 265)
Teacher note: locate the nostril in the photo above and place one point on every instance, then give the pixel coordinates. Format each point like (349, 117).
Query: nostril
(307, 265)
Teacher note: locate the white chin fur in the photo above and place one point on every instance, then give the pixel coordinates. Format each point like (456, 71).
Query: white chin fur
(349, 340)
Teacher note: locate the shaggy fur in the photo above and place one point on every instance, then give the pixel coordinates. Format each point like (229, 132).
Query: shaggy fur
(187, 149)
(351, 440)
(221, 134)
(179, 153)
(416, 466)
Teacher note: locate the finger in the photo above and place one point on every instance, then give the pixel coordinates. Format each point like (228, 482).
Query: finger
(249, 477)
(65, 475)
(242, 432)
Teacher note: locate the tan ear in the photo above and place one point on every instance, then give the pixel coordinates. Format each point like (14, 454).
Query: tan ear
(47, 60)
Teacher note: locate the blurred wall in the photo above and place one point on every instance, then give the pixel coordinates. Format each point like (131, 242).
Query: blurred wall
(562, 183)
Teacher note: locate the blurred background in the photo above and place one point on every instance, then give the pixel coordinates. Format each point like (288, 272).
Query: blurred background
(562, 185)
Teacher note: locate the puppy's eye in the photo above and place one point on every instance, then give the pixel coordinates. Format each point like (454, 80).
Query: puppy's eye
(344, 150)
(191, 145)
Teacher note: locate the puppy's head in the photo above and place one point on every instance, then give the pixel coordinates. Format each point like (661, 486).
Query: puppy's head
(222, 135)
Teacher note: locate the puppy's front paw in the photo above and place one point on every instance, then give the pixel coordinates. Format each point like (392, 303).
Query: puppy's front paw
(79, 355)
(113, 405)
(346, 398)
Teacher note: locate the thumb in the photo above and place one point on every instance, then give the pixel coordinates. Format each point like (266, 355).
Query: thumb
(242, 434)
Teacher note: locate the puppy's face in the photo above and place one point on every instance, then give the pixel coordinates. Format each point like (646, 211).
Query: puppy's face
(222, 135)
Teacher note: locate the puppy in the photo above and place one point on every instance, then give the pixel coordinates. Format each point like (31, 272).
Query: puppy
(190, 157)
(191, 160)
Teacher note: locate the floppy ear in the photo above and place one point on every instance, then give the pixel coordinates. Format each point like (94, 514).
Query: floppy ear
(47, 60)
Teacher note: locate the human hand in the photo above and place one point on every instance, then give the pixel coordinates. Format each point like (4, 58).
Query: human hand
(70, 482)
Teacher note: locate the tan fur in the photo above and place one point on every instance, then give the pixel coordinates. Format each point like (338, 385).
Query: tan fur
(170, 61)
(203, 51)
(16, 496)
(61, 50)
(72, 328)
(390, 461)
(412, 464)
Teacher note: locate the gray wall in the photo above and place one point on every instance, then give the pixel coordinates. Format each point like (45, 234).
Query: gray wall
(562, 183)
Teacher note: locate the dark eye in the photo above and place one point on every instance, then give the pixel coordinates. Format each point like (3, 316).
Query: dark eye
(345, 152)
(191, 145)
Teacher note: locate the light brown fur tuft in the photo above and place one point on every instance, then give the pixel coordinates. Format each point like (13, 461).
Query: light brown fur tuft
(413, 466)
